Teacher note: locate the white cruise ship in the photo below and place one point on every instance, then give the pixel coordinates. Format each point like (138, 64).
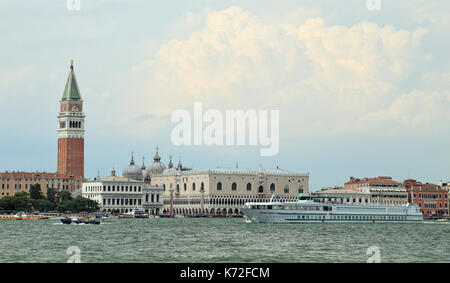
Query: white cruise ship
(316, 209)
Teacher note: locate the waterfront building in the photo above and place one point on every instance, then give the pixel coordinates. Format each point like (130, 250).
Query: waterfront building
(431, 198)
(71, 129)
(14, 182)
(119, 194)
(224, 190)
(382, 190)
(446, 186)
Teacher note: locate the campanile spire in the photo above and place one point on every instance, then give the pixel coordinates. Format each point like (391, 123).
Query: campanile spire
(71, 129)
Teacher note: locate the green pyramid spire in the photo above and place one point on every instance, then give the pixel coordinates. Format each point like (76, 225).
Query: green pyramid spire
(71, 91)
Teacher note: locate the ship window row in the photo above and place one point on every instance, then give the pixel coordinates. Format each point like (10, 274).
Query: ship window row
(353, 217)
(286, 207)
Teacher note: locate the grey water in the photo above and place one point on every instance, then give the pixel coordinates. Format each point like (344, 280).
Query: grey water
(193, 240)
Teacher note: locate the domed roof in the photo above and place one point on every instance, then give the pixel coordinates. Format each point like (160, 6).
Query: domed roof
(170, 170)
(157, 167)
(157, 157)
(132, 171)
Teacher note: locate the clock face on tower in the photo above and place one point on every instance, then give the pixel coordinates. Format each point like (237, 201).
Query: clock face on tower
(74, 108)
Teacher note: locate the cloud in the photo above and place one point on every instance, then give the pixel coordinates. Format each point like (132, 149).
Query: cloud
(12, 80)
(429, 11)
(325, 80)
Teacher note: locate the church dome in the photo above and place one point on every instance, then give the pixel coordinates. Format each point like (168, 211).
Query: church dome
(157, 167)
(132, 171)
(170, 170)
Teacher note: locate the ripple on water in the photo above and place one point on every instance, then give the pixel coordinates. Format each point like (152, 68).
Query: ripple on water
(221, 240)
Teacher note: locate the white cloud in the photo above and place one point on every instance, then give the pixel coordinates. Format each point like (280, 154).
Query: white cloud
(323, 79)
(429, 11)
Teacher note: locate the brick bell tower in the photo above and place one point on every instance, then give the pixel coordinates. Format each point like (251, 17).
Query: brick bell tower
(71, 129)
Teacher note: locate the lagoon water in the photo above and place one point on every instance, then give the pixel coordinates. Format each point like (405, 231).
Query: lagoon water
(222, 240)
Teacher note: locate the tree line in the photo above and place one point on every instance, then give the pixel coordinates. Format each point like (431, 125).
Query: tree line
(61, 201)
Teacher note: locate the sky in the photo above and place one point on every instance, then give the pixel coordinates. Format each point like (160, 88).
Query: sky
(360, 92)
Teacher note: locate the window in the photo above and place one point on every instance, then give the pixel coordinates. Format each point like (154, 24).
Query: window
(219, 186)
(249, 187)
(300, 189)
(286, 189)
(233, 187)
(261, 189)
(272, 187)
(193, 186)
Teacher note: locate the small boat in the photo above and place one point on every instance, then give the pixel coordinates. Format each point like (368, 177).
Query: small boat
(166, 215)
(442, 220)
(106, 218)
(20, 216)
(125, 216)
(140, 214)
(66, 220)
(87, 220)
(81, 220)
(135, 213)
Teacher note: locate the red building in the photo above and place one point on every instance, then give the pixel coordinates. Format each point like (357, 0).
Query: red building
(14, 182)
(431, 198)
(71, 130)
